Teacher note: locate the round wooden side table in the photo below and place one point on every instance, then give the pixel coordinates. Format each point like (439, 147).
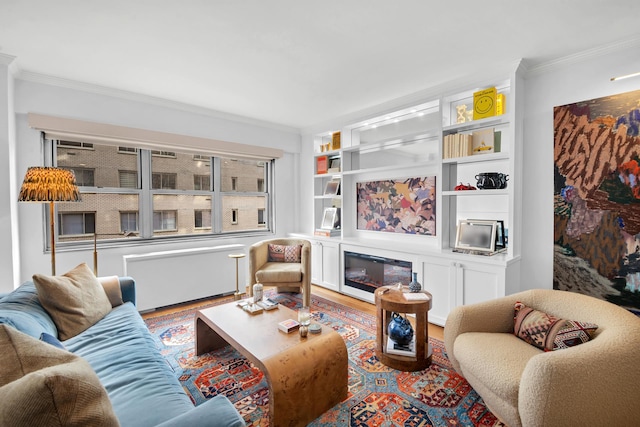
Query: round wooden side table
(389, 299)
(237, 295)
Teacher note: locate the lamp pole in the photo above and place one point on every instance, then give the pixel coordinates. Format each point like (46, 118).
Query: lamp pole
(53, 238)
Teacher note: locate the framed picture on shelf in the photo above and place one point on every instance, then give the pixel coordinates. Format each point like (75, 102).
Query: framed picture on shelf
(501, 240)
(329, 218)
(476, 235)
(334, 165)
(332, 188)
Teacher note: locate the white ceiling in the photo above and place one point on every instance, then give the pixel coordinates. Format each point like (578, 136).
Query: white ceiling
(297, 62)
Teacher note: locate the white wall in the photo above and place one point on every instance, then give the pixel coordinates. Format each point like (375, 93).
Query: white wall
(582, 79)
(38, 97)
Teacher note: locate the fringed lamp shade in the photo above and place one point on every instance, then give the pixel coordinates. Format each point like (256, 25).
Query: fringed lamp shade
(46, 184)
(43, 184)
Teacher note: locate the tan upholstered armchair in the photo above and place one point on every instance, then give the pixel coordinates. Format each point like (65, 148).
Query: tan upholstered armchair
(591, 384)
(285, 276)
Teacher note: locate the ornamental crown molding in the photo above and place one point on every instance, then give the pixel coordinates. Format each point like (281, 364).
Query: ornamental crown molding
(6, 59)
(549, 66)
(34, 77)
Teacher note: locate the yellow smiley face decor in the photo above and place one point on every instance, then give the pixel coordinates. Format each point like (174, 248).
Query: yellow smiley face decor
(484, 103)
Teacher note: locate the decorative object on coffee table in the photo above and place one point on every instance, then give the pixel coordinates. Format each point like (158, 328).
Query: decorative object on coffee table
(415, 286)
(304, 317)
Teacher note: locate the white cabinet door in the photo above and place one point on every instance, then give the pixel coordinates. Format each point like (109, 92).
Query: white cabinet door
(325, 264)
(331, 265)
(316, 262)
(477, 282)
(437, 281)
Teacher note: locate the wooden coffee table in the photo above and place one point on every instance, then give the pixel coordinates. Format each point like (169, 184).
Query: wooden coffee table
(306, 376)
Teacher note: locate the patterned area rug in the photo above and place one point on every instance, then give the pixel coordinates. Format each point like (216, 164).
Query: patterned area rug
(378, 395)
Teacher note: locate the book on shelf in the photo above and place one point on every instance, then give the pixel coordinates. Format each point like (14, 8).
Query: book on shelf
(288, 325)
(500, 104)
(327, 233)
(401, 350)
(483, 141)
(322, 165)
(484, 103)
(497, 141)
(457, 145)
(415, 296)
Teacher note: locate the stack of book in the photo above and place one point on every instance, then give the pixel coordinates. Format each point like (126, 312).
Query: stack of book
(402, 350)
(327, 233)
(457, 145)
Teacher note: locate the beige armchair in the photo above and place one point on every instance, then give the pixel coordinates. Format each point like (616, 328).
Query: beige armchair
(285, 276)
(594, 383)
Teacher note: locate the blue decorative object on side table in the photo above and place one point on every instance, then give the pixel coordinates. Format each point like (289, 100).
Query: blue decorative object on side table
(400, 329)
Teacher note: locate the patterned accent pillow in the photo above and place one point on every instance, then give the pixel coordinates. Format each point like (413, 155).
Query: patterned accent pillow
(284, 253)
(548, 332)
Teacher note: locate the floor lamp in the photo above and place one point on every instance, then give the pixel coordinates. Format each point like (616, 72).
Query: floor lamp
(48, 184)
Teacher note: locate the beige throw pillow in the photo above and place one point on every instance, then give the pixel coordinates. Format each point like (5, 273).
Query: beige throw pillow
(41, 385)
(111, 286)
(75, 301)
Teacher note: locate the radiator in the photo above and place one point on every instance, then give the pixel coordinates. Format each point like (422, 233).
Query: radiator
(172, 277)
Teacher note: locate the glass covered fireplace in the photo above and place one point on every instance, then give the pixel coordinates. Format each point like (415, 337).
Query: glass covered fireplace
(369, 272)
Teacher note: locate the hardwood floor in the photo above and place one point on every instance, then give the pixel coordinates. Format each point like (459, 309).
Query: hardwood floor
(434, 330)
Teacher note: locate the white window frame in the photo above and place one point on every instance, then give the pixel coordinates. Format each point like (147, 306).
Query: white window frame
(145, 197)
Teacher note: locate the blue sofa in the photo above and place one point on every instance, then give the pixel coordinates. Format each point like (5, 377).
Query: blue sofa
(141, 385)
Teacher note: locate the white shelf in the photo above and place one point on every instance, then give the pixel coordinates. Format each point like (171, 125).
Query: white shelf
(477, 158)
(409, 139)
(333, 175)
(392, 167)
(474, 193)
(329, 196)
(501, 120)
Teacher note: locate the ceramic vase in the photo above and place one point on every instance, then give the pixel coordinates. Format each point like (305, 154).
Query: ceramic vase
(415, 286)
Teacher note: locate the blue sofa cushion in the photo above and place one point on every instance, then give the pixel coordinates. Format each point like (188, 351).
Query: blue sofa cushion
(142, 387)
(50, 339)
(22, 310)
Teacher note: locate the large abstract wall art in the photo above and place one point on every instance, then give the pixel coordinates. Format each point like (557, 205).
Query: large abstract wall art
(405, 205)
(597, 198)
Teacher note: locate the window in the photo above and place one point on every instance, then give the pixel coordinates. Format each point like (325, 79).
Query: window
(164, 220)
(163, 153)
(76, 223)
(261, 185)
(202, 219)
(73, 144)
(128, 221)
(201, 158)
(84, 177)
(161, 195)
(201, 182)
(234, 183)
(127, 150)
(128, 179)
(164, 180)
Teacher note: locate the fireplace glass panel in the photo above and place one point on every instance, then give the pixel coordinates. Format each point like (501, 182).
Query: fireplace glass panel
(368, 272)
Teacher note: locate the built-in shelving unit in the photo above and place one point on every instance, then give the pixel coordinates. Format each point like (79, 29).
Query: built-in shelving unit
(408, 142)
